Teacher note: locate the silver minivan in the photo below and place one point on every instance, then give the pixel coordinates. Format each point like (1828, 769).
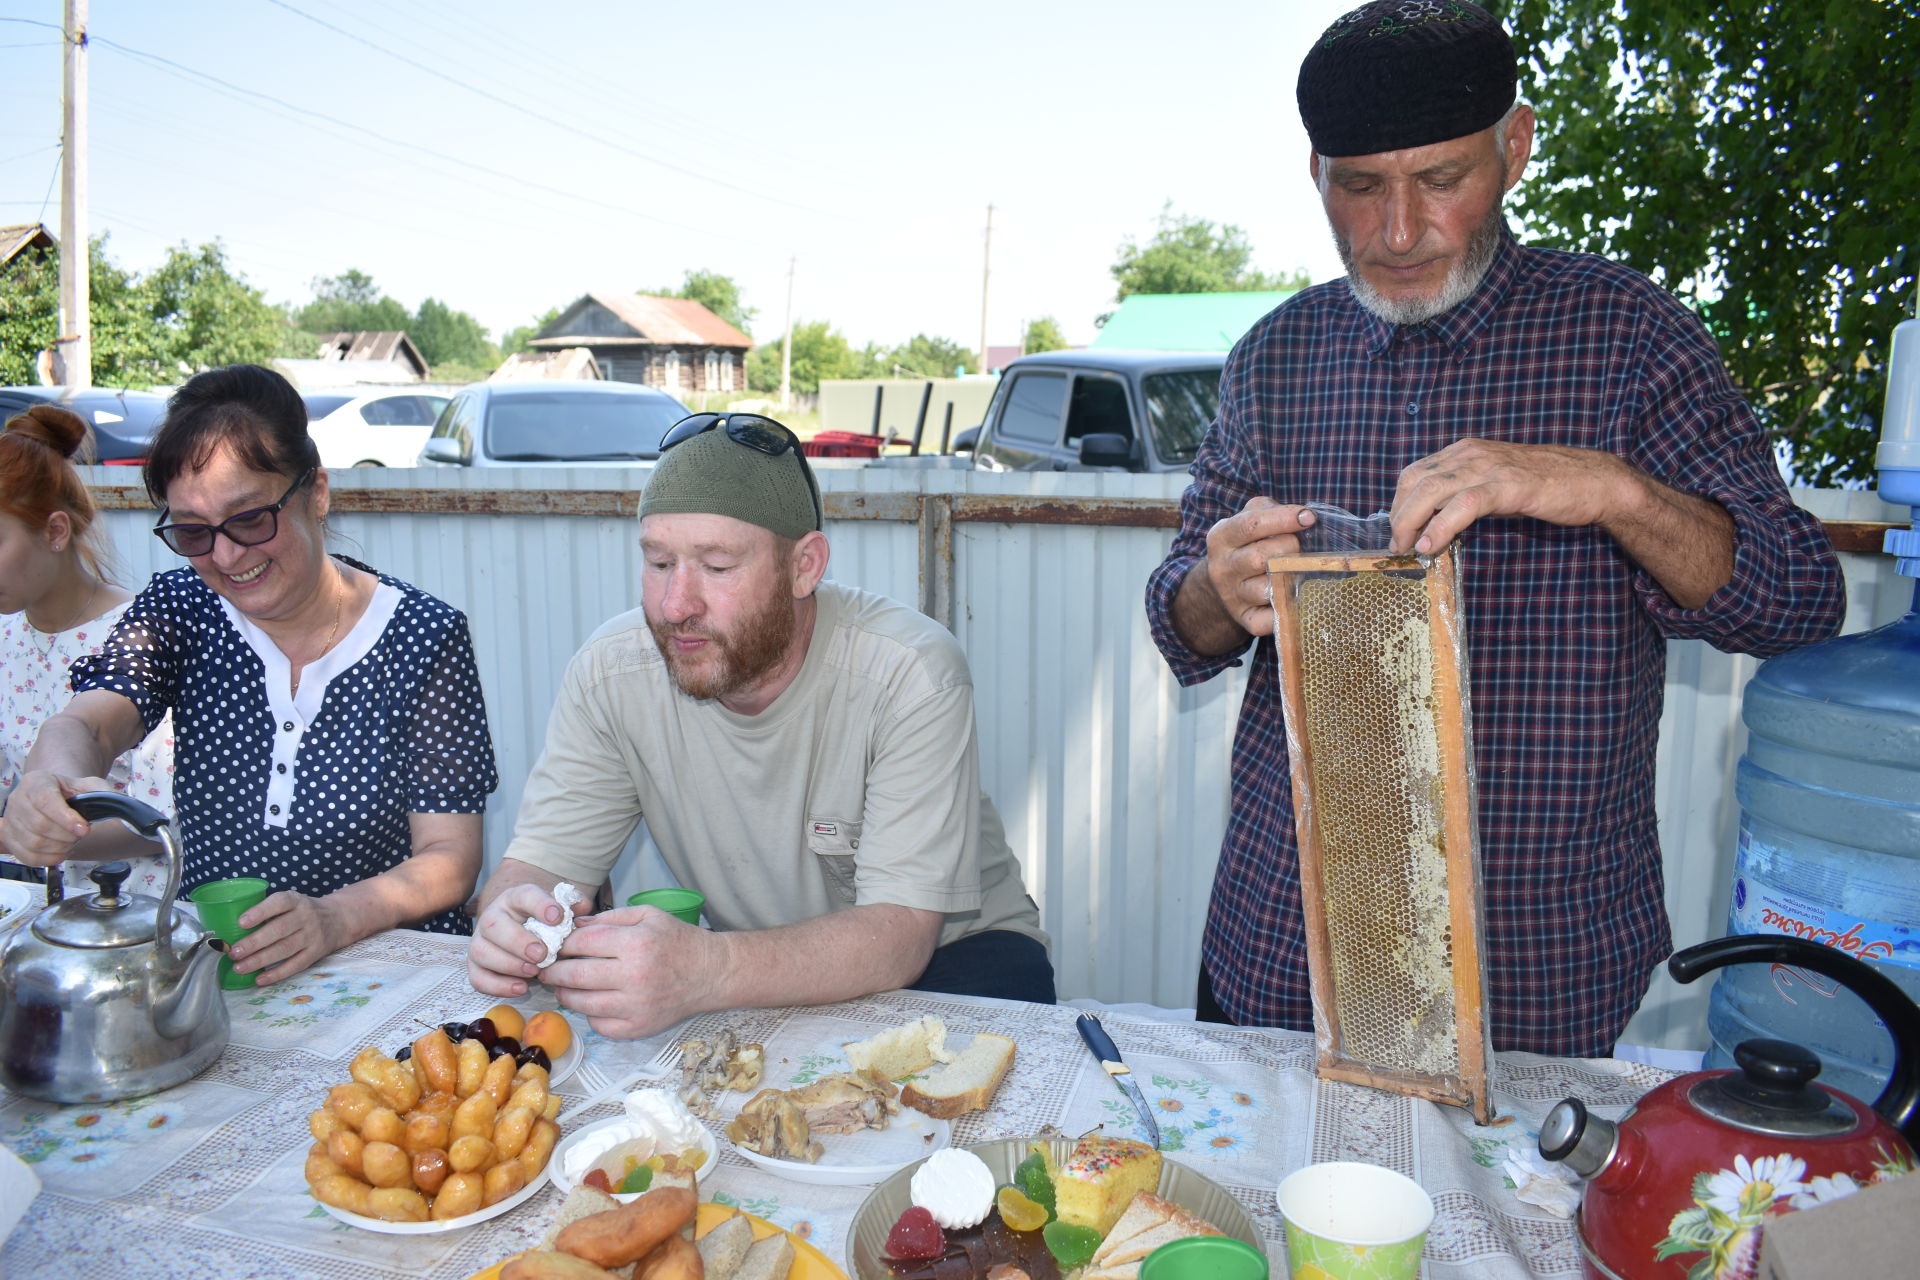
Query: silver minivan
(551, 424)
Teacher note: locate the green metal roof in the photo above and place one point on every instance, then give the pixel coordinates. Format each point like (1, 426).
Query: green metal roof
(1186, 321)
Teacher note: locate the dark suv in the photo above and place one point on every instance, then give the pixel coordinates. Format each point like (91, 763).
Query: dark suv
(1126, 410)
(123, 422)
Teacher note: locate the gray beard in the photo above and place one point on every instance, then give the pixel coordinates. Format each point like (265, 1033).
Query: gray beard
(1462, 278)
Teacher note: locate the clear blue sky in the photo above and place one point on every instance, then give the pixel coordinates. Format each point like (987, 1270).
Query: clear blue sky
(527, 153)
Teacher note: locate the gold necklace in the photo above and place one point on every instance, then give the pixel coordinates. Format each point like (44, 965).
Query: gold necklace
(339, 606)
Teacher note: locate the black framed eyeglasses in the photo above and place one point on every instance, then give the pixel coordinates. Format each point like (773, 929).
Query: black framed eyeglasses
(761, 434)
(243, 528)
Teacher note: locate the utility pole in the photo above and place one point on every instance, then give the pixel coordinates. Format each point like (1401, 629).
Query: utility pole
(986, 270)
(73, 348)
(786, 346)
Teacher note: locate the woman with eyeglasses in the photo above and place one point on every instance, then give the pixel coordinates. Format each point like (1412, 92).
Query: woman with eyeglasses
(330, 731)
(57, 604)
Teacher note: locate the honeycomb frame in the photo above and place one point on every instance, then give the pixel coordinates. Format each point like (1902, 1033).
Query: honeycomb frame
(1377, 710)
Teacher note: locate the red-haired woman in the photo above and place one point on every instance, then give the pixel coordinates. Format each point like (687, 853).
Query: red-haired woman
(58, 604)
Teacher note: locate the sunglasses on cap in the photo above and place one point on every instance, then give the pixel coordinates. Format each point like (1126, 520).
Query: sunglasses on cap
(763, 435)
(243, 528)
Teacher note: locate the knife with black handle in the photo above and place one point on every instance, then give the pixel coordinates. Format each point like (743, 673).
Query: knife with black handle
(1117, 1071)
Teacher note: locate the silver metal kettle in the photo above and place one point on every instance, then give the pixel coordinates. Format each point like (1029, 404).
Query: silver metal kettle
(111, 994)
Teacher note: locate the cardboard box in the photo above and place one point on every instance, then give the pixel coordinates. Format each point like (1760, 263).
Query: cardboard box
(1875, 1232)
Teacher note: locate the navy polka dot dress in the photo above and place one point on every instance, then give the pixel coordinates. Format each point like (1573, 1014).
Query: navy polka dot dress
(310, 790)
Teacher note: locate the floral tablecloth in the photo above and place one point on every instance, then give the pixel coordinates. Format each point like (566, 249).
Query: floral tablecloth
(204, 1180)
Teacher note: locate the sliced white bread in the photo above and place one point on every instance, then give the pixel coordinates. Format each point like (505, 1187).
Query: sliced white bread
(768, 1259)
(1178, 1227)
(901, 1051)
(724, 1248)
(965, 1084)
(1143, 1213)
(1121, 1253)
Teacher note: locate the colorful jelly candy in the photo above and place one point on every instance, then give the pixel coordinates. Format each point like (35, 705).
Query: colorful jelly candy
(1019, 1210)
(916, 1235)
(1070, 1246)
(1031, 1177)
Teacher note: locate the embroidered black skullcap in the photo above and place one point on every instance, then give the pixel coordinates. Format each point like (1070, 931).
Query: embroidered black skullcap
(1395, 74)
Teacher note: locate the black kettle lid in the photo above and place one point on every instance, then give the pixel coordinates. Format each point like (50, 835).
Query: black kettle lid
(1773, 1092)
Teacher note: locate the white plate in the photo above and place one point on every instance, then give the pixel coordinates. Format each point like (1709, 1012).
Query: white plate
(19, 902)
(570, 1060)
(451, 1224)
(557, 1166)
(853, 1159)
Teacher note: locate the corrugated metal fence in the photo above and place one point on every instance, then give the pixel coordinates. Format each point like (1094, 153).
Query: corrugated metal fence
(1112, 779)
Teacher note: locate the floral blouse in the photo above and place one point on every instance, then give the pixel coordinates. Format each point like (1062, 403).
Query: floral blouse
(33, 688)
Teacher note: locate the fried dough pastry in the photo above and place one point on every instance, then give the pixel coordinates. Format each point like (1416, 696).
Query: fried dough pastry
(545, 1264)
(617, 1237)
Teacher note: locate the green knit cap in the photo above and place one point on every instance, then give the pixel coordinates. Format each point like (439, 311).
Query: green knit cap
(713, 475)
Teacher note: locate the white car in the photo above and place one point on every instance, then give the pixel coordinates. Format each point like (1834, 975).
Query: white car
(378, 428)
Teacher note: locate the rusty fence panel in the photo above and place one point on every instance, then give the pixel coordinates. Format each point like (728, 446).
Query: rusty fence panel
(1112, 779)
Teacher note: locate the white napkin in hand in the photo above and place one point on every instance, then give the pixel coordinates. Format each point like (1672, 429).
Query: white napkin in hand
(1543, 1183)
(552, 935)
(18, 1186)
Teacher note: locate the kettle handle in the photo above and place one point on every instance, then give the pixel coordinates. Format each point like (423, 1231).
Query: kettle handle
(1898, 1103)
(97, 806)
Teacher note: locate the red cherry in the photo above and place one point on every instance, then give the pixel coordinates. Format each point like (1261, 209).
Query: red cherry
(916, 1235)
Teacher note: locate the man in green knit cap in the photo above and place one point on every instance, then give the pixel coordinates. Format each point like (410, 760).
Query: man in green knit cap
(803, 754)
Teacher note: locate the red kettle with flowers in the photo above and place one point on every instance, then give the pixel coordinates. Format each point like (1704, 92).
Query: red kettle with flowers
(1681, 1188)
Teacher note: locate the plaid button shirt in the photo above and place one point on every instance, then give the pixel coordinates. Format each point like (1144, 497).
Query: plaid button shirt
(1324, 402)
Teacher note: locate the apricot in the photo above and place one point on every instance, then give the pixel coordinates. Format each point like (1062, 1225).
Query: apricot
(507, 1020)
(549, 1031)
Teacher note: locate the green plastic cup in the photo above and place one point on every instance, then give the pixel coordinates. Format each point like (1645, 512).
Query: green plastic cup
(221, 904)
(1205, 1258)
(1352, 1221)
(684, 903)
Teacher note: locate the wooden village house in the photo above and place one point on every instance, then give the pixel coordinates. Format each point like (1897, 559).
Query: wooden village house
(674, 344)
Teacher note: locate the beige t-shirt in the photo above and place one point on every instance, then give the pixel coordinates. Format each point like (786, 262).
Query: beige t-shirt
(860, 784)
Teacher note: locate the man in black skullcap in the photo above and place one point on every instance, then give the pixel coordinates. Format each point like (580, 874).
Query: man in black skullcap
(1619, 492)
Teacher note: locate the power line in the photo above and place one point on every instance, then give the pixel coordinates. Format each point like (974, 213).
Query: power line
(470, 29)
(51, 179)
(206, 79)
(540, 115)
(24, 154)
(186, 71)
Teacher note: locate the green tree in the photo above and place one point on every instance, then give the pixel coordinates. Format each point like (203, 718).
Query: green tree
(1192, 255)
(922, 356)
(516, 339)
(29, 313)
(818, 352)
(205, 314)
(449, 337)
(717, 293)
(191, 313)
(1042, 335)
(351, 303)
(129, 349)
(1753, 156)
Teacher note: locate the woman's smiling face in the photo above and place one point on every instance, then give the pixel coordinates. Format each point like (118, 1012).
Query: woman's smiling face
(275, 579)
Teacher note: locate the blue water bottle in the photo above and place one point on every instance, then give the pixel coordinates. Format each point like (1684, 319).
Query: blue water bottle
(1829, 793)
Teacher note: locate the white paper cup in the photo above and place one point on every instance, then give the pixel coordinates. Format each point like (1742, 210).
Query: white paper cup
(1347, 1219)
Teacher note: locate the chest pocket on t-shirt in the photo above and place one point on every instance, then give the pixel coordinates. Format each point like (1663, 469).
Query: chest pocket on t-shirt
(836, 843)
